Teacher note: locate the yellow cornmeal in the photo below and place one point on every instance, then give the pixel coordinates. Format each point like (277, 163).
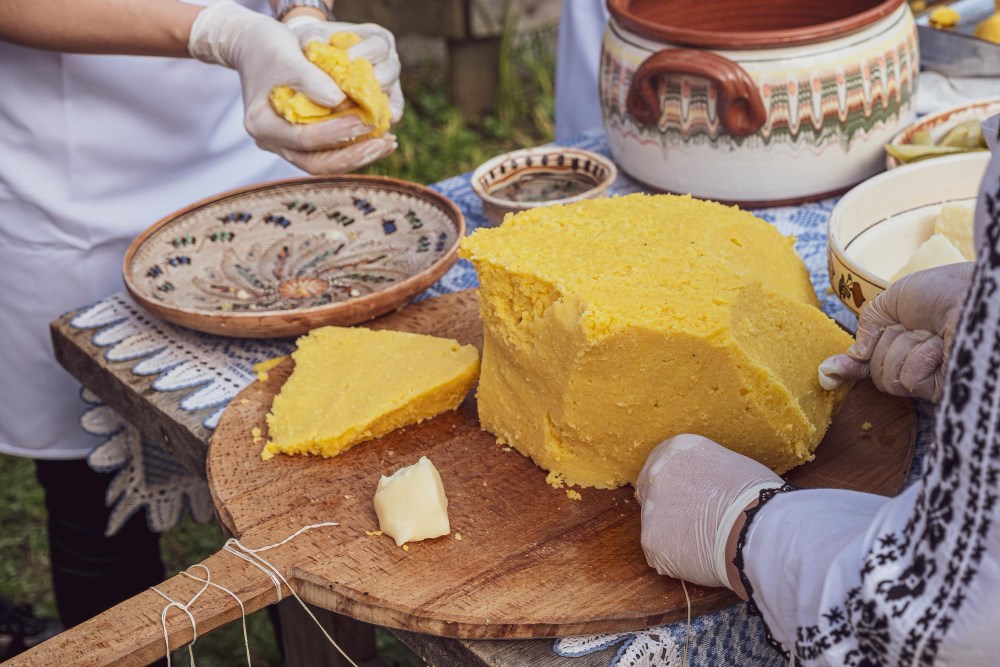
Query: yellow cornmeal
(353, 384)
(555, 480)
(355, 77)
(613, 324)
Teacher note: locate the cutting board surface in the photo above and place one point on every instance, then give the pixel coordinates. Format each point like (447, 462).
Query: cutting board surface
(530, 562)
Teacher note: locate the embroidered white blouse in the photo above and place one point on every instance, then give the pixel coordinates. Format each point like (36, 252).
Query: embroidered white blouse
(844, 578)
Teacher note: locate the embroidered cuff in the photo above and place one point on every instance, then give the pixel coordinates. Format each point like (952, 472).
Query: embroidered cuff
(765, 496)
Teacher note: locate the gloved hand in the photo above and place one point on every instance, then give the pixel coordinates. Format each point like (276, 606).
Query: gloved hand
(377, 45)
(266, 54)
(692, 492)
(904, 335)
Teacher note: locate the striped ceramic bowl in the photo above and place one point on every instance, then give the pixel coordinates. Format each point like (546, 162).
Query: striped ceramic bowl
(534, 177)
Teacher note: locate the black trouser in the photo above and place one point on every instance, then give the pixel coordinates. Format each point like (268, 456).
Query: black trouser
(90, 572)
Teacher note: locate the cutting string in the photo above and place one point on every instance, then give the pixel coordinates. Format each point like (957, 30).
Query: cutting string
(243, 613)
(253, 557)
(185, 608)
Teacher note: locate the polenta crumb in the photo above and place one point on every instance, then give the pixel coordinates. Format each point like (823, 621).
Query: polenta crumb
(263, 367)
(458, 536)
(866, 426)
(573, 495)
(373, 533)
(555, 479)
(244, 401)
(406, 547)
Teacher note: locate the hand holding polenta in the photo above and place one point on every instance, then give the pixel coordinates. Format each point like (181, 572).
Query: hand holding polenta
(361, 61)
(348, 110)
(365, 43)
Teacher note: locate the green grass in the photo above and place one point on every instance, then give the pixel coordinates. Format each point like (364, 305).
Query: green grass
(24, 551)
(434, 143)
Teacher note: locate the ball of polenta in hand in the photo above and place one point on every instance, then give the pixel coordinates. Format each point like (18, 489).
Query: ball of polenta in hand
(365, 98)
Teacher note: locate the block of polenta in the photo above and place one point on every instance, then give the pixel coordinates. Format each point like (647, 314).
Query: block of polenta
(356, 79)
(352, 384)
(613, 324)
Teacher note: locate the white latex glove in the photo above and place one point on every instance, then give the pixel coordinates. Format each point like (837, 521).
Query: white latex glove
(904, 335)
(266, 54)
(377, 45)
(692, 492)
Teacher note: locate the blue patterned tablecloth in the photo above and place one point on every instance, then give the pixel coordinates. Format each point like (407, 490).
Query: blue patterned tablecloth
(213, 370)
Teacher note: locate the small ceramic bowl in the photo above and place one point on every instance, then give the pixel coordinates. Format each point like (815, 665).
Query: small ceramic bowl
(875, 227)
(281, 258)
(534, 177)
(938, 124)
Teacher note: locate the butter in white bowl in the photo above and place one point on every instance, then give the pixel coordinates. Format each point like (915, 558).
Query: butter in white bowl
(918, 239)
(951, 242)
(876, 228)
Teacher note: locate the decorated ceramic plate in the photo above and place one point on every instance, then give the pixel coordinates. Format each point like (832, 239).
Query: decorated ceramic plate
(281, 258)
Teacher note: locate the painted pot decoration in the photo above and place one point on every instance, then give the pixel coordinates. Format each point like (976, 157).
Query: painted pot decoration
(764, 103)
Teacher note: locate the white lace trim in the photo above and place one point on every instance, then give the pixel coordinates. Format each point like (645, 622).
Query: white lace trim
(147, 477)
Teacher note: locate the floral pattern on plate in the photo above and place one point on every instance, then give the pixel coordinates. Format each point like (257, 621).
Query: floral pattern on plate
(293, 245)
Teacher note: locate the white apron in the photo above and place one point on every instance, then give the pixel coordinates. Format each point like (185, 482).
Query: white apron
(581, 32)
(94, 149)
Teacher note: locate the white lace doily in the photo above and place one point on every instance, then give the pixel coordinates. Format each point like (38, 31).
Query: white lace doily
(728, 637)
(147, 477)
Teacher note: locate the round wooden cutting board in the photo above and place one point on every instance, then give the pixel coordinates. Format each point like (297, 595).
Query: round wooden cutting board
(530, 562)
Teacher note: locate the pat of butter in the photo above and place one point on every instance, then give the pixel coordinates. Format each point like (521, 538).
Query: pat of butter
(956, 223)
(411, 505)
(935, 251)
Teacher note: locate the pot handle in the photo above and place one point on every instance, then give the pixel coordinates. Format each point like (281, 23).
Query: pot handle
(740, 107)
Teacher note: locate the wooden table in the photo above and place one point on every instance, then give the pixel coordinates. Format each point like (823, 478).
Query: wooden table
(158, 416)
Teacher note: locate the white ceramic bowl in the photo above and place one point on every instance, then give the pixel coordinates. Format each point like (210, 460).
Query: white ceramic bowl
(876, 226)
(543, 176)
(938, 124)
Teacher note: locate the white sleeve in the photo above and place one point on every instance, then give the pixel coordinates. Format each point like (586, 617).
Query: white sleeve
(843, 578)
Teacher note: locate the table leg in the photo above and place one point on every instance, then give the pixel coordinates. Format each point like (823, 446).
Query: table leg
(305, 646)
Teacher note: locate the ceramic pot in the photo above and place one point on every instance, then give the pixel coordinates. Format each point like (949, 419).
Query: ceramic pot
(763, 103)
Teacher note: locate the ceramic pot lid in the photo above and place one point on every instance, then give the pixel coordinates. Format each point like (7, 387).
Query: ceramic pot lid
(738, 24)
